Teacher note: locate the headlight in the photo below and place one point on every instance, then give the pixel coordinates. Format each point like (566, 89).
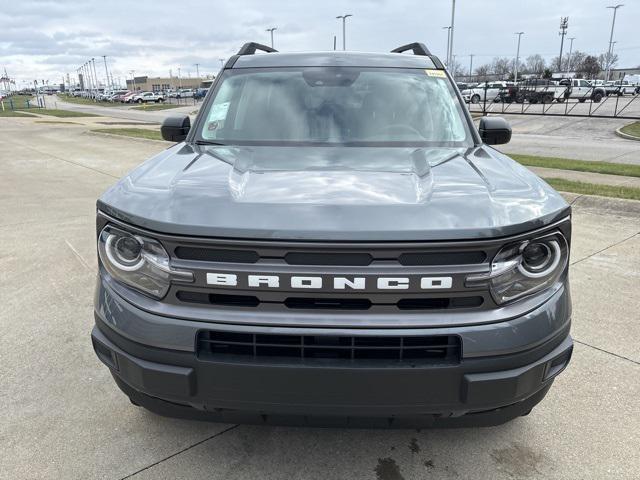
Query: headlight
(140, 262)
(524, 267)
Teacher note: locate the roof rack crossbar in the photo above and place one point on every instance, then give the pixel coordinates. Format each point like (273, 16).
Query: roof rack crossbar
(250, 48)
(416, 47)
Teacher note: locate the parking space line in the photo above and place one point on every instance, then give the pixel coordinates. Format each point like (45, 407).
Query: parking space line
(79, 257)
(179, 452)
(605, 248)
(607, 351)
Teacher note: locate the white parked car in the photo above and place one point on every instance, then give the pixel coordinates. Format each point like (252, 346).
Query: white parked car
(185, 93)
(145, 97)
(490, 90)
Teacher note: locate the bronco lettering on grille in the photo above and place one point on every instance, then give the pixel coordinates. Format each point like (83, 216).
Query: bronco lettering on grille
(335, 283)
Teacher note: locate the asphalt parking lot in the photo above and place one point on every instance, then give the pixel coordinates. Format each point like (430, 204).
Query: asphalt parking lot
(63, 417)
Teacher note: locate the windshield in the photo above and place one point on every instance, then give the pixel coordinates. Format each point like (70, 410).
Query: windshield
(335, 106)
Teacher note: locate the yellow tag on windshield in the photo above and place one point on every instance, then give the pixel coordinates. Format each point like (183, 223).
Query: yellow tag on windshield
(436, 73)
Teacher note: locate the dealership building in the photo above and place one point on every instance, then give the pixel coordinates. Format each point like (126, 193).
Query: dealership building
(156, 84)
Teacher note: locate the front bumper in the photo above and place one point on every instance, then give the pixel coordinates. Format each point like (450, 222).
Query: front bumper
(479, 390)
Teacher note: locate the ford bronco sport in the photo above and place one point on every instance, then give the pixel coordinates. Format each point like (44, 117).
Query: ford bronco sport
(333, 242)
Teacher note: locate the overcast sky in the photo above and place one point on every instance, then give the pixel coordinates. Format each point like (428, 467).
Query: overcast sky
(45, 39)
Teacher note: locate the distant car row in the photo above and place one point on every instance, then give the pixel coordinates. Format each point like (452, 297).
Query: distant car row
(126, 96)
(545, 91)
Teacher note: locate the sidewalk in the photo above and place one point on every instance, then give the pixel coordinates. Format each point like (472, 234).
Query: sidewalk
(587, 177)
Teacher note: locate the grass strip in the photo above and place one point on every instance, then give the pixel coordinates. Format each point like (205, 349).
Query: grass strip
(577, 165)
(155, 106)
(632, 129)
(55, 112)
(88, 101)
(13, 113)
(131, 132)
(629, 193)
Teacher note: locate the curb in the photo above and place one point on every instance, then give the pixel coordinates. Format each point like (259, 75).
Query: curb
(126, 137)
(626, 135)
(608, 205)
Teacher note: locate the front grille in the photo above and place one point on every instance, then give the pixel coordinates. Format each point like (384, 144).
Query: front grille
(240, 346)
(330, 258)
(349, 275)
(216, 255)
(328, 303)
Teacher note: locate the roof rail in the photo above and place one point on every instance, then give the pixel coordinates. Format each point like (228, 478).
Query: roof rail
(417, 48)
(251, 47)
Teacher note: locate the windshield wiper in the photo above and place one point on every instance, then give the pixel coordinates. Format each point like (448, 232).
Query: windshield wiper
(208, 142)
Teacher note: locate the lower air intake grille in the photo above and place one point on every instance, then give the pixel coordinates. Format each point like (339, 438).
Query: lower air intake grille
(239, 346)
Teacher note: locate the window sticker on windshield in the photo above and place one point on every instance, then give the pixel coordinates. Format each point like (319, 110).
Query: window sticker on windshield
(436, 73)
(218, 111)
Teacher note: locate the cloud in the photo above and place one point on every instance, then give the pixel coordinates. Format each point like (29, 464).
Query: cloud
(49, 38)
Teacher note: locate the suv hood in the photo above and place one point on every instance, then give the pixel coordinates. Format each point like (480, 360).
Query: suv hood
(334, 193)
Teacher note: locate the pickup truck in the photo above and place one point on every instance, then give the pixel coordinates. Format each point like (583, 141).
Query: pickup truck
(334, 242)
(535, 90)
(621, 87)
(146, 97)
(582, 90)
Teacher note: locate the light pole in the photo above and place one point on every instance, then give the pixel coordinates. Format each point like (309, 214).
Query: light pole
(564, 24)
(179, 78)
(471, 65)
(344, 29)
(613, 45)
(448, 29)
(197, 65)
(570, 50)
(106, 71)
(515, 69)
(271, 30)
(453, 16)
(95, 75)
(133, 80)
(613, 24)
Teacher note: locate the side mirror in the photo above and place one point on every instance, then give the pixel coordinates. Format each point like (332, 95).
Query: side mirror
(175, 129)
(494, 130)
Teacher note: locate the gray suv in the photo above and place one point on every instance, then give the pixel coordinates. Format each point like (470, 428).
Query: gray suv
(333, 242)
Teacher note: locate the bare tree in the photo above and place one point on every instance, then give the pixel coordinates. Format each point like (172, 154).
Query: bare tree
(535, 64)
(483, 71)
(501, 66)
(607, 60)
(457, 69)
(575, 61)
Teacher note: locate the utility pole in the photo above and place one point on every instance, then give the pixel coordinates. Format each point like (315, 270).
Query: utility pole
(570, 50)
(471, 65)
(613, 24)
(564, 24)
(515, 69)
(448, 29)
(271, 30)
(344, 29)
(197, 65)
(453, 17)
